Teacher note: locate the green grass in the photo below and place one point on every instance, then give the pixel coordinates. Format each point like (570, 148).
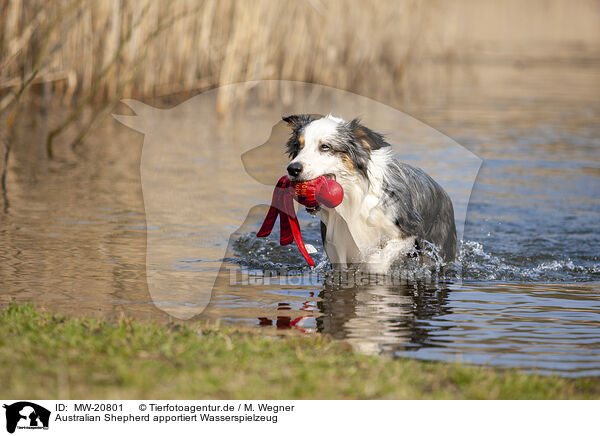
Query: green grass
(48, 356)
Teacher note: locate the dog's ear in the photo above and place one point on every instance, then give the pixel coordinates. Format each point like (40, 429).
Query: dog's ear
(369, 139)
(296, 122)
(292, 120)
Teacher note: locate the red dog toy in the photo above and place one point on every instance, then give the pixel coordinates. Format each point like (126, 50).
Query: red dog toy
(319, 191)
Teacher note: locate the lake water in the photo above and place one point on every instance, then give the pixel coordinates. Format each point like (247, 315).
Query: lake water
(75, 232)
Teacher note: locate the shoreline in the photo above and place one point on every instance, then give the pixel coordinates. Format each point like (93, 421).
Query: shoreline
(48, 356)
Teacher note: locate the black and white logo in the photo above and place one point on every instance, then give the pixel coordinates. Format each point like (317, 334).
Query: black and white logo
(26, 415)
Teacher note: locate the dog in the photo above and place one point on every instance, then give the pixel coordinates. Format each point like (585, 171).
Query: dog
(390, 209)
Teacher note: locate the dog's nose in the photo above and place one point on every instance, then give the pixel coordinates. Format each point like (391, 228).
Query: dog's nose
(294, 169)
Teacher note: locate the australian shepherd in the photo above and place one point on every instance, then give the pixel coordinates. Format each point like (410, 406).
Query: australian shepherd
(390, 210)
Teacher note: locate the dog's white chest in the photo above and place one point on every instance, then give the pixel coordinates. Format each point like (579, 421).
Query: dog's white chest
(366, 237)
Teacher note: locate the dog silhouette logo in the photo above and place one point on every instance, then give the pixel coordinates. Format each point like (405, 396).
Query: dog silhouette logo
(204, 176)
(26, 415)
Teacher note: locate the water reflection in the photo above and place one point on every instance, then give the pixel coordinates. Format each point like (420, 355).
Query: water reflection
(546, 328)
(379, 318)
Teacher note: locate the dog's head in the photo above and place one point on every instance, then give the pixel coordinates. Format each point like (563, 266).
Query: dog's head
(329, 146)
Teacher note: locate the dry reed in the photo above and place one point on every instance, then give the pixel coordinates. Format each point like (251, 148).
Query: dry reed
(340, 43)
(84, 52)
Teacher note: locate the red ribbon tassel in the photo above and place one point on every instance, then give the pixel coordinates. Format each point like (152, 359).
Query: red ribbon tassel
(282, 205)
(312, 193)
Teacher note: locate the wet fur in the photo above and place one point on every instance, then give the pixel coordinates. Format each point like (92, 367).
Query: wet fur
(389, 208)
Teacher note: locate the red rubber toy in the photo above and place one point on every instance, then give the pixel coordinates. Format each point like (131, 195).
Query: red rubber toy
(312, 193)
(319, 191)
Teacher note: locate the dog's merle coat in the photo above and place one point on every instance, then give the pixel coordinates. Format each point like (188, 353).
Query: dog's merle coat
(411, 200)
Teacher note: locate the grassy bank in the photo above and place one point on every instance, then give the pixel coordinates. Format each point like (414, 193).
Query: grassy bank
(48, 356)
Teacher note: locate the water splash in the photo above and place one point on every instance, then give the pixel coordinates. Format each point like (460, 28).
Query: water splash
(481, 265)
(477, 263)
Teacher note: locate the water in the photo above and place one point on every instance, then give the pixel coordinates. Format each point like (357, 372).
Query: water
(73, 236)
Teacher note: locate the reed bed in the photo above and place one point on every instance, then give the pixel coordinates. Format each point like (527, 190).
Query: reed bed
(172, 46)
(89, 54)
(74, 44)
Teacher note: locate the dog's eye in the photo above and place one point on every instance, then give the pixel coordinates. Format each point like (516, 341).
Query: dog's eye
(324, 147)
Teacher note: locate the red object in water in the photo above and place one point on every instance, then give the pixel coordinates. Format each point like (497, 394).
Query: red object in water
(319, 191)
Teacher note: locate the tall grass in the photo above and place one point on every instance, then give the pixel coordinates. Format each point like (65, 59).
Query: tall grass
(368, 47)
(87, 53)
(208, 43)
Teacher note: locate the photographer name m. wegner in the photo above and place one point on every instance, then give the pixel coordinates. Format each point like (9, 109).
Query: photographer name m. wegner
(167, 413)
